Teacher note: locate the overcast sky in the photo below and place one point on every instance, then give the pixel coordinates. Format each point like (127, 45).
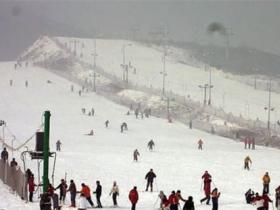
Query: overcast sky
(254, 23)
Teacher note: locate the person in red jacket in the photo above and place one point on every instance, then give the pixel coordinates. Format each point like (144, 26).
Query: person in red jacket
(31, 187)
(266, 201)
(133, 197)
(207, 179)
(173, 201)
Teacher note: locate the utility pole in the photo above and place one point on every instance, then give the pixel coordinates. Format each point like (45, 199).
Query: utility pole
(123, 65)
(94, 81)
(75, 46)
(210, 86)
(163, 72)
(46, 152)
(205, 90)
(269, 109)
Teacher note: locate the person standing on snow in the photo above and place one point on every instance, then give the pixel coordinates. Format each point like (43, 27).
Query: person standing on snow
(106, 123)
(215, 198)
(133, 197)
(73, 191)
(115, 192)
(266, 201)
(266, 181)
(173, 200)
(247, 160)
(207, 179)
(151, 145)
(86, 192)
(200, 143)
(150, 176)
(189, 205)
(135, 155)
(4, 155)
(58, 145)
(31, 187)
(62, 190)
(98, 193)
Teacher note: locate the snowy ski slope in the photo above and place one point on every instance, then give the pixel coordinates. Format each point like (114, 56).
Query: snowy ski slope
(183, 79)
(107, 156)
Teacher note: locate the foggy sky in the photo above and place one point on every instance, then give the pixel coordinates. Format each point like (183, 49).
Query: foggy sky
(254, 23)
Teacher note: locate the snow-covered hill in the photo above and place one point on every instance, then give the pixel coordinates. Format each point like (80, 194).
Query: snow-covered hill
(182, 78)
(107, 156)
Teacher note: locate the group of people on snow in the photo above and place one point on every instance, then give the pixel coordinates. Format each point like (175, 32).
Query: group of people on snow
(249, 142)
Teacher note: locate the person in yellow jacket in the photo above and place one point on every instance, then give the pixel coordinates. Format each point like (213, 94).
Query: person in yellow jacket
(266, 181)
(247, 160)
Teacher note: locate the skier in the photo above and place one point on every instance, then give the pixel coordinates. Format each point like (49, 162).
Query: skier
(62, 191)
(179, 196)
(31, 188)
(136, 112)
(80, 92)
(58, 145)
(106, 123)
(245, 142)
(98, 193)
(28, 174)
(266, 201)
(83, 110)
(91, 133)
(13, 163)
(26, 83)
(45, 202)
(73, 191)
(207, 187)
(249, 142)
(150, 179)
(92, 112)
(11, 82)
(114, 192)
(133, 197)
(247, 160)
(50, 190)
(123, 126)
(86, 192)
(4, 155)
(189, 205)
(151, 145)
(249, 196)
(164, 203)
(72, 88)
(200, 143)
(266, 181)
(135, 155)
(215, 198)
(173, 200)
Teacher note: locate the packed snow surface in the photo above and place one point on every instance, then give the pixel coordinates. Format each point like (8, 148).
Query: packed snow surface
(107, 156)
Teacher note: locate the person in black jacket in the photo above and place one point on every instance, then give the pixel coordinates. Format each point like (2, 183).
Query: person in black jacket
(150, 179)
(62, 190)
(4, 154)
(98, 193)
(189, 205)
(73, 192)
